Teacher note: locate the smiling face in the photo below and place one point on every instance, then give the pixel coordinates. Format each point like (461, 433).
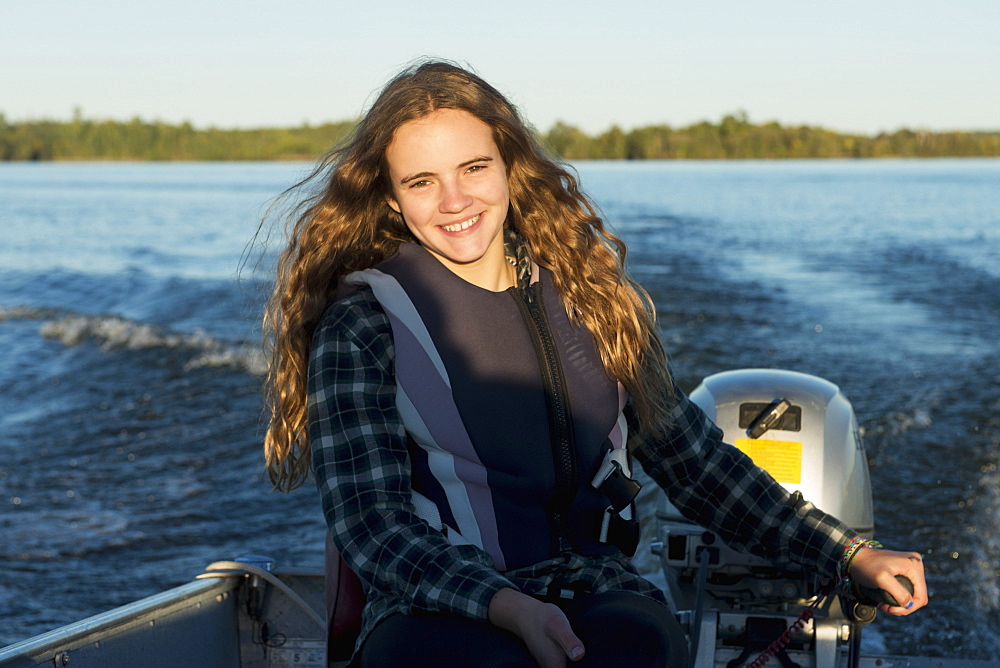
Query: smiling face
(449, 183)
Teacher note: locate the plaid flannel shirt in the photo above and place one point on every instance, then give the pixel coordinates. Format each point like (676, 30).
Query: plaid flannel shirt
(362, 470)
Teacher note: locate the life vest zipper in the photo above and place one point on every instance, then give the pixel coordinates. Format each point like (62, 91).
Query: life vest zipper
(529, 301)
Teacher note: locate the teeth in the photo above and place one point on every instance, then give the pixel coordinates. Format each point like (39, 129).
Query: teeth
(458, 227)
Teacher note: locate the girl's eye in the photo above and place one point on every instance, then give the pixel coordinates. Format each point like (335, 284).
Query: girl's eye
(476, 168)
(419, 184)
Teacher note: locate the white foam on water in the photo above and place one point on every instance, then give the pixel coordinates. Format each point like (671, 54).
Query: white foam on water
(112, 332)
(246, 357)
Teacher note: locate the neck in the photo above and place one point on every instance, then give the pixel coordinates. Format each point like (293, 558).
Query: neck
(492, 276)
(490, 272)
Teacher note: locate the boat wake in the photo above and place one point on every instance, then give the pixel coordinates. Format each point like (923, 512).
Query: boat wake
(112, 332)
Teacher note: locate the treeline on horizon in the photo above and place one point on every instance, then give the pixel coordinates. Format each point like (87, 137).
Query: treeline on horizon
(734, 137)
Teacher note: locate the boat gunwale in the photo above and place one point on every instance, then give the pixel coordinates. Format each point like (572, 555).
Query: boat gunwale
(92, 629)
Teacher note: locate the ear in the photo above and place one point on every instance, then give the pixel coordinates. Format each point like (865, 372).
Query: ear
(393, 204)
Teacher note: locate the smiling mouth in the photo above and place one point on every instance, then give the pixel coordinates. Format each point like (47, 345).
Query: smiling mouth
(464, 225)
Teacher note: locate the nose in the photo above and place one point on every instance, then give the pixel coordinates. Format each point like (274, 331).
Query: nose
(454, 198)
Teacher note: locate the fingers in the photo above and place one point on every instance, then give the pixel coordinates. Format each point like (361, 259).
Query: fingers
(543, 627)
(879, 568)
(558, 629)
(911, 566)
(550, 637)
(902, 596)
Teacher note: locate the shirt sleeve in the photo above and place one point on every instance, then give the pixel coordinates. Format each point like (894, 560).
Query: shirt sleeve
(362, 470)
(719, 487)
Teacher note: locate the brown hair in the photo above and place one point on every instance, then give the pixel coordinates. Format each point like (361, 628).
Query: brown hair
(346, 225)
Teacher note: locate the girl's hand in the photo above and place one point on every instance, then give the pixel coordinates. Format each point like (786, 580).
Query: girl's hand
(542, 626)
(879, 568)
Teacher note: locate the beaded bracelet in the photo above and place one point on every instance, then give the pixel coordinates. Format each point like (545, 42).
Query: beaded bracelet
(856, 545)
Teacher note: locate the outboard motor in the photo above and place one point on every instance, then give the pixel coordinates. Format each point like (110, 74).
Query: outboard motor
(744, 610)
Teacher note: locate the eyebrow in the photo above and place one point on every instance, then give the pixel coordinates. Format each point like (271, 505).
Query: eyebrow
(421, 175)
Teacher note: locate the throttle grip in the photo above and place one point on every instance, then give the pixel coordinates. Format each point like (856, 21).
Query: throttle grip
(875, 596)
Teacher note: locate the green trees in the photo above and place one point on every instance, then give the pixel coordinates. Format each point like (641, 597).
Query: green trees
(733, 137)
(141, 140)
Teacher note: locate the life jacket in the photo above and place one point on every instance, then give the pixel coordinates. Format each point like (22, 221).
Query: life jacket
(509, 411)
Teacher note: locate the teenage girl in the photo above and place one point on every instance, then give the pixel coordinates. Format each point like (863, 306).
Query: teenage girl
(461, 361)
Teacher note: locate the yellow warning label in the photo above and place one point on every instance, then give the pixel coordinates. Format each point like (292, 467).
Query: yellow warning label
(782, 459)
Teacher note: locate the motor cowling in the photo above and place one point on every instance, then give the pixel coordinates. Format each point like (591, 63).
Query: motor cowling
(802, 430)
(814, 447)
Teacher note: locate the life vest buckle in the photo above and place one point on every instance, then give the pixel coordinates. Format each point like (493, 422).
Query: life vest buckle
(612, 480)
(567, 591)
(621, 532)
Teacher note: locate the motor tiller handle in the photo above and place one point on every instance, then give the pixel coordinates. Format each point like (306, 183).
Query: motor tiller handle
(873, 596)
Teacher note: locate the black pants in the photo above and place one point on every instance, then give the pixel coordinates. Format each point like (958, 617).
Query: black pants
(617, 629)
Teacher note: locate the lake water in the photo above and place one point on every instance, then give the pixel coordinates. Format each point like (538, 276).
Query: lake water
(130, 417)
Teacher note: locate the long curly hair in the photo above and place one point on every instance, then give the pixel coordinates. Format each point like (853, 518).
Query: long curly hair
(344, 224)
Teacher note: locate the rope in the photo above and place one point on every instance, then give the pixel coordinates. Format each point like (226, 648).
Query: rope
(231, 569)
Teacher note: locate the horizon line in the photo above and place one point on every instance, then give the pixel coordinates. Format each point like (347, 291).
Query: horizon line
(737, 114)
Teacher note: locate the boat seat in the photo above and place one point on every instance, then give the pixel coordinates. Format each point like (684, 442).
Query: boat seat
(345, 600)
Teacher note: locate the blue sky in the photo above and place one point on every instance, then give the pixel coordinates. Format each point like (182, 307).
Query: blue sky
(851, 66)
